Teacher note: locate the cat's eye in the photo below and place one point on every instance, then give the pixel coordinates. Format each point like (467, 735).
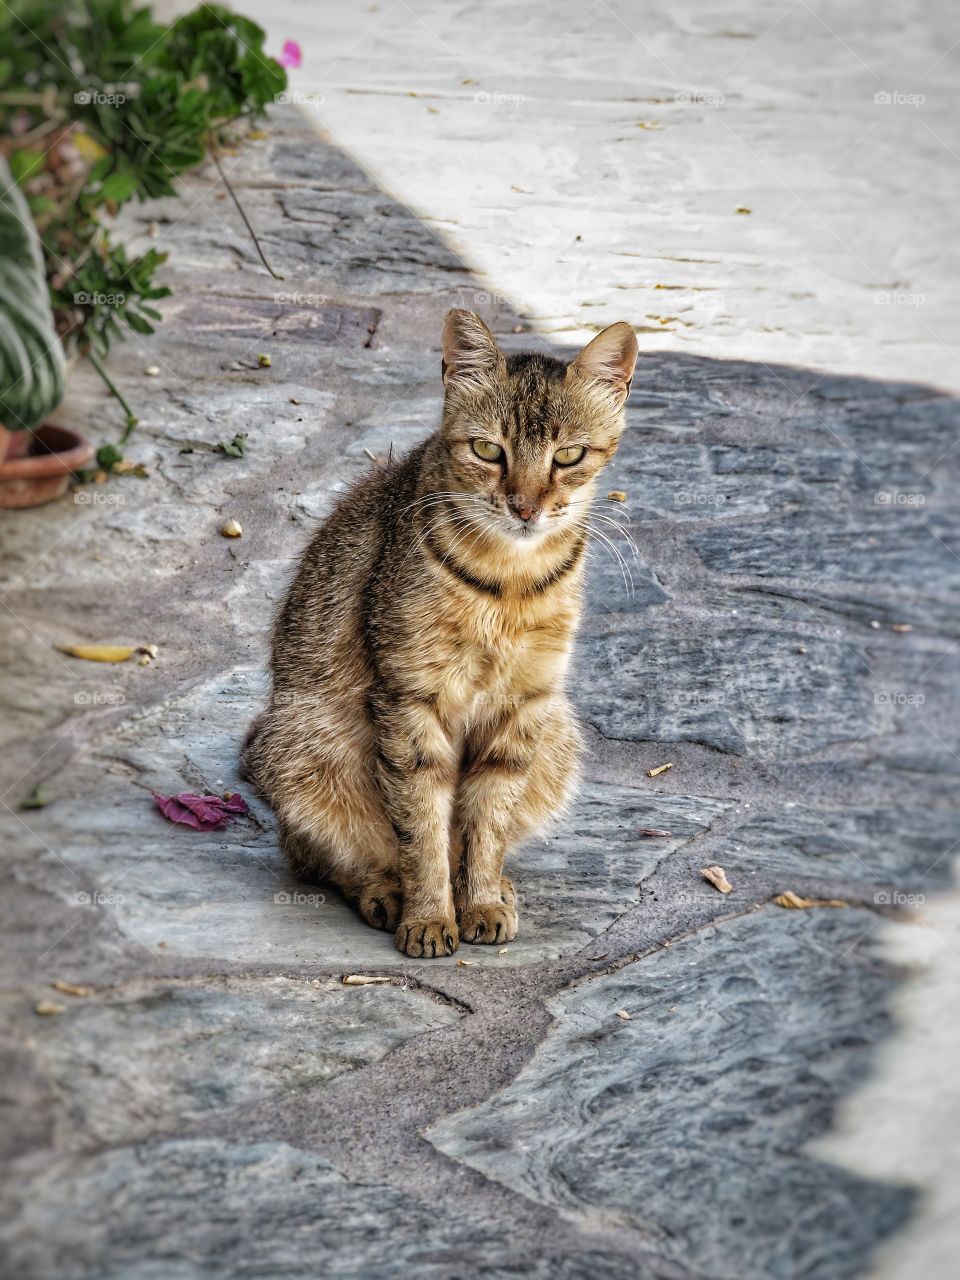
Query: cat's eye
(487, 450)
(570, 455)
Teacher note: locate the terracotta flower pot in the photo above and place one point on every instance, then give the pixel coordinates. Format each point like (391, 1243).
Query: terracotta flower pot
(38, 464)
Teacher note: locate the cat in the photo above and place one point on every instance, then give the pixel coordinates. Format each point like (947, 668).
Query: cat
(418, 726)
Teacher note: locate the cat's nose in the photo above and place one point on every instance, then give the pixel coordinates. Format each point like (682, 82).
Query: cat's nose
(523, 508)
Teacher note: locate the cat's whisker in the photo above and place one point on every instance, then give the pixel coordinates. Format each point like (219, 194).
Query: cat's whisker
(438, 496)
(624, 567)
(458, 522)
(596, 515)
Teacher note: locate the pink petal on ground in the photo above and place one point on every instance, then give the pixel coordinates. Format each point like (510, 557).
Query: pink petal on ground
(203, 813)
(290, 56)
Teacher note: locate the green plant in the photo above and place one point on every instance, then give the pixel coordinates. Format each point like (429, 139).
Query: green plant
(31, 357)
(100, 105)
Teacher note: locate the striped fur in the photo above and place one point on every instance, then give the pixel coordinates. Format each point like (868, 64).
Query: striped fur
(417, 725)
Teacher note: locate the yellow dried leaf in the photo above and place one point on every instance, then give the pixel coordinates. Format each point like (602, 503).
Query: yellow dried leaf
(99, 652)
(47, 1008)
(795, 902)
(72, 988)
(88, 147)
(718, 878)
(363, 979)
(661, 768)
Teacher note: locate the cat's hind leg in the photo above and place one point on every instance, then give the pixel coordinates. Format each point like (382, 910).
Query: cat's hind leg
(332, 827)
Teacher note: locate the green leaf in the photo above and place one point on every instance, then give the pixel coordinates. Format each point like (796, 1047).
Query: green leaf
(119, 187)
(234, 448)
(37, 799)
(107, 455)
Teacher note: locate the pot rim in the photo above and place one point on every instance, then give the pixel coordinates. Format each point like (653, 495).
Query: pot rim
(77, 454)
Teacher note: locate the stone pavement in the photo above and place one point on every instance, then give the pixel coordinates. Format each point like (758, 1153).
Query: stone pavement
(220, 1104)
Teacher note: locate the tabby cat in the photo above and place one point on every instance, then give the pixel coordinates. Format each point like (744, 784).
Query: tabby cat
(418, 725)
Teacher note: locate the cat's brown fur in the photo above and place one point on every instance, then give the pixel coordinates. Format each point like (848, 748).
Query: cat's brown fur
(418, 725)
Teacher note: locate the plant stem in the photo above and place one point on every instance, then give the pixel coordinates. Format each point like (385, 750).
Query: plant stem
(246, 220)
(131, 416)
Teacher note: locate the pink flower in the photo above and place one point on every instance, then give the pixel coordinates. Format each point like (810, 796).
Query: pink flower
(290, 56)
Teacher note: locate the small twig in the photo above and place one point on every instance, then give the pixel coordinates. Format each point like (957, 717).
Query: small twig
(246, 220)
(131, 416)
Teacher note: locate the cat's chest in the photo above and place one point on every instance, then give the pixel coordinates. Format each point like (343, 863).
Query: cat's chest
(500, 657)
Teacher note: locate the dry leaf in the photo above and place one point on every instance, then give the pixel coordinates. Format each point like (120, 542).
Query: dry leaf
(231, 528)
(264, 361)
(464, 962)
(901, 627)
(661, 768)
(622, 1013)
(793, 900)
(99, 652)
(203, 813)
(47, 1008)
(503, 951)
(617, 495)
(71, 988)
(652, 831)
(718, 878)
(363, 979)
(742, 208)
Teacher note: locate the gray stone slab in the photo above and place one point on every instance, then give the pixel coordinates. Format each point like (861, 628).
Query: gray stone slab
(898, 852)
(738, 689)
(687, 1123)
(194, 1208)
(227, 894)
(152, 1057)
(876, 545)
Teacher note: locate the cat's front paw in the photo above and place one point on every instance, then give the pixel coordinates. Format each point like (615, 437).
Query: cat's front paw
(489, 922)
(427, 938)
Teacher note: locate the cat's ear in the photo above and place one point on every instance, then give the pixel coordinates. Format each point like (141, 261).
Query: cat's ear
(470, 351)
(609, 359)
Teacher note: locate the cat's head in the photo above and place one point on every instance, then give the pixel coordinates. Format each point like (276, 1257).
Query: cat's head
(525, 433)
